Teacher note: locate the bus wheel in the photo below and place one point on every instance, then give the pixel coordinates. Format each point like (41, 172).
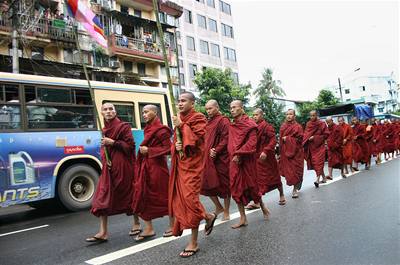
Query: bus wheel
(76, 187)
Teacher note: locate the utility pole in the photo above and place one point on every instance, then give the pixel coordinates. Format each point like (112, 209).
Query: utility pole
(14, 36)
(340, 90)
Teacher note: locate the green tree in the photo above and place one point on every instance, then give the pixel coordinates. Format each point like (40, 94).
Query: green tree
(326, 98)
(303, 111)
(218, 84)
(268, 89)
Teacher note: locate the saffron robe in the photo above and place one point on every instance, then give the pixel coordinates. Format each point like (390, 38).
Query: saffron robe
(348, 146)
(216, 170)
(314, 150)
(389, 136)
(335, 146)
(291, 161)
(150, 199)
(187, 173)
(114, 190)
(243, 175)
(360, 147)
(268, 177)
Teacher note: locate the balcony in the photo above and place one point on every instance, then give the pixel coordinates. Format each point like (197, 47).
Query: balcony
(138, 48)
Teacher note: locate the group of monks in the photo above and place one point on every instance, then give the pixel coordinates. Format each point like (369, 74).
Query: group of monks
(220, 159)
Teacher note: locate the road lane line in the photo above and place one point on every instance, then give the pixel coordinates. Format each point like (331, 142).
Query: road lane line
(153, 243)
(23, 230)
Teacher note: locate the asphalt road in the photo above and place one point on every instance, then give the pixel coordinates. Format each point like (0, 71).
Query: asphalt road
(348, 221)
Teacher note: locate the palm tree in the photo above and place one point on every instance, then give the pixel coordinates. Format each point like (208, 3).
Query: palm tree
(268, 87)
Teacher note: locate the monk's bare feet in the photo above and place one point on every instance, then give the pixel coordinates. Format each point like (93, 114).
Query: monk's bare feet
(282, 200)
(226, 216)
(218, 211)
(239, 225)
(266, 212)
(135, 230)
(98, 238)
(189, 251)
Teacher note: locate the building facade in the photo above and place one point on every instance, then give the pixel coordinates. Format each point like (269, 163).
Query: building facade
(47, 40)
(205, 39)
(380, 91)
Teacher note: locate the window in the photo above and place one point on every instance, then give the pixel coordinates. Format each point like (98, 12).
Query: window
(101, 60)
(215, 50)
(229, 54)
(10, 107)
(178, 35)
(212, 25)
(180, 50)
(192, 70)
(137, 13)
(347, 91)
(124, 10)
(188, 16)
(128, 66)
(182, 79)
(224, 7)
(58, 108)
(202, 22)
(204, 47)
(211, 3)
(227, 31)
(235, 77)
(37, 53)
(141, 106)
(125, 111)
(141, 69)
(190, 43)
(180, 63)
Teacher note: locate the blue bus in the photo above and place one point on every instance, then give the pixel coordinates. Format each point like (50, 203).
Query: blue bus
(50, 140)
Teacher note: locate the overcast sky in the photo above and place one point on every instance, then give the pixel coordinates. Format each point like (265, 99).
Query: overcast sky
(309, 44)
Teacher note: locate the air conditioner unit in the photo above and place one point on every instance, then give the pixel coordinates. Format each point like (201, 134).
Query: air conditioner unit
(106, 4)
(115, 64)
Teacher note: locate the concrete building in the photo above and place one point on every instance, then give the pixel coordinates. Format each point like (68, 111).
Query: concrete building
(47, 43)
(205, 39)
(380, 91)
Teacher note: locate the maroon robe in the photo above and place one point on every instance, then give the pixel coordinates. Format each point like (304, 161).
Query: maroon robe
(268, 177)
(369, 136)
(377, 140)
(216, 170)
(187, 173)
(397, 135)
(150, 199)
(243, 178)
(114, 189)
(335, 146)
(291, 161)
(348, 146)
(360, 146)
(389, 136)
(314, 150)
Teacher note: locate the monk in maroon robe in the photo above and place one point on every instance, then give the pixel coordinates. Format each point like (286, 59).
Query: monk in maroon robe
(291, 159)
(242, 151)
(268, 177)
(335, 147)
(377, 140)
(150, 199)
(347, 145)
(360, 147)
(187, 174)
(114, 189)
(396, 124)
(216, 167)
(315, 135)
(389, 137)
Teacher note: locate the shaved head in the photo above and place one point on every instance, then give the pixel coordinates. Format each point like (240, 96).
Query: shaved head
(151, 107)
(237, 102)
(108, 111)
(212, 102)
(212, 108)
(188, 95)
(258, 115)
(107, 105)
(236, 108)
(259, 111)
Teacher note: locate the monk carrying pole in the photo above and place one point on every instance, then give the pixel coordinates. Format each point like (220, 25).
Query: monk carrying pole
(166, 62)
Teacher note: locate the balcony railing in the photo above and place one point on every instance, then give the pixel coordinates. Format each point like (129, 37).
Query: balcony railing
(136, 47)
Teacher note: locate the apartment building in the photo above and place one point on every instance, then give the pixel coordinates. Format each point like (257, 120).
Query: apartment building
(47, 40)
(206, 38)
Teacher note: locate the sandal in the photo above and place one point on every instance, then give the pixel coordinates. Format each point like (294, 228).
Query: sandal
(209, 229)
(239, 226)
(283, 202)
(95, 239)
(135, 232)
(168, 233)
(141, 237)
(329, 177)
(187, 253)
(316, 184)
(252, 207)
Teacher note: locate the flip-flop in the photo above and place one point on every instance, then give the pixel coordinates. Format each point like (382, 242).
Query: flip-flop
(241, 225)
(209, 229)
(282, 202)
(330, 178)
(316, 184)
(135, 232)
(141, 237)
(295, 195)
(167, 234)
(252, 207)
(95, 239)
(188, 251)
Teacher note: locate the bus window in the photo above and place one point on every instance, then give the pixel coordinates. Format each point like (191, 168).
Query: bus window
(49, 108)
(141, 105)
(10, 107)
(125, 111)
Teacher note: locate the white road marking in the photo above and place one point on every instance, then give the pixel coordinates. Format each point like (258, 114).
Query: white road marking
(23, 230)
(153, 243)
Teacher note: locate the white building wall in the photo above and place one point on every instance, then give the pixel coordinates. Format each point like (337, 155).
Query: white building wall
(199, 33)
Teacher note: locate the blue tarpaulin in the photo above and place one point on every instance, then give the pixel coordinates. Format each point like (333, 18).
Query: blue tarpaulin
(363, 112)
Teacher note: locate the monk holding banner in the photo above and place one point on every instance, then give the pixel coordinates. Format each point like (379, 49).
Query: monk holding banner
(242, 151)
(150, 199)
(335, 149)
(187, 173)
(361, 153)
(216, 168)
(315, 135)
(291, 161)
(347, 145)
(114, 189)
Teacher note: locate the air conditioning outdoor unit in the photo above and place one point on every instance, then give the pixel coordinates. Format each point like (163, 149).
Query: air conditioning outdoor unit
(115, 64)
